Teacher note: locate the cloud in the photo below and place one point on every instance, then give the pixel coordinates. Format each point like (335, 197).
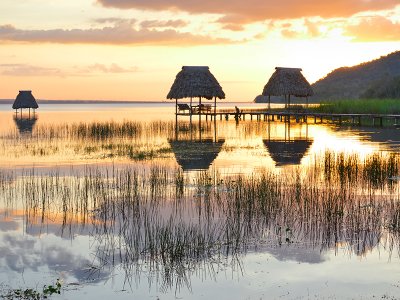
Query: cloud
(31, 70)
(121, 33)
(233, 27)
(256, 10)
(102, 68)
(307, 30)
(28, 70)
(162, 24)
(374, 29)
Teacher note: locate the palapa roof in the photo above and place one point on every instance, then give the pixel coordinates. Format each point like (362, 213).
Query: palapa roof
(288, 81)
(196, 155)
(25, 99)
(287, 152)
(195, 82)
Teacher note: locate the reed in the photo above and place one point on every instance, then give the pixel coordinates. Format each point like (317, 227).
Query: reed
(167, 224)
(360, 106)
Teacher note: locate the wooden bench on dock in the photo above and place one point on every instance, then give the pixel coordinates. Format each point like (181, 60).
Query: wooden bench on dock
(183, 107)
(202, 108)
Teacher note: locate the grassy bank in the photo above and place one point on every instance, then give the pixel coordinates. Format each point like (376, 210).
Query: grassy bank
(360, 106)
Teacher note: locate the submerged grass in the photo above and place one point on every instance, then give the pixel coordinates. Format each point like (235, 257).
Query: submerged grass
(98, 140)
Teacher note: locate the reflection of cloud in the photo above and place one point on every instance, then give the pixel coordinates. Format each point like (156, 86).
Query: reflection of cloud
(118, 34)
(22, 253)
(8, 226)
(298, 254)
(256, 10)
(374, 29)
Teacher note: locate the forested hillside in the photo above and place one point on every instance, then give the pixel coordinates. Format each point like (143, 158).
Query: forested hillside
(379, 78)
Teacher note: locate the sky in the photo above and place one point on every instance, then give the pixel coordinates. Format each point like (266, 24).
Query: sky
(133, 49)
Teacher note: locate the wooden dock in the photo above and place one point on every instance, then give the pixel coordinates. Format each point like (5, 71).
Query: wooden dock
(303, 116)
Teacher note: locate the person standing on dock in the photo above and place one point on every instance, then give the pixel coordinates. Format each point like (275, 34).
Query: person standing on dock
(237, 113)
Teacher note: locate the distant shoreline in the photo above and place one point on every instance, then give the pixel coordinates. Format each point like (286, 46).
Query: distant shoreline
(11, 101)
(40, 101)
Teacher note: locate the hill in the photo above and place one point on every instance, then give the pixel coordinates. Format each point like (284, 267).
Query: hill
(379, 78)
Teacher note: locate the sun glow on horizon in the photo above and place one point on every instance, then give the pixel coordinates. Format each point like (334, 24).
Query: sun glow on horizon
(86, 50)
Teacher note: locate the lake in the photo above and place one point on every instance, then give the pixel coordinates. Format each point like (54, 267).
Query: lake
(119, 200)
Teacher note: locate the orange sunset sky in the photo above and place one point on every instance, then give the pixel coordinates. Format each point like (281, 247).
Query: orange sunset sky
(132, 49)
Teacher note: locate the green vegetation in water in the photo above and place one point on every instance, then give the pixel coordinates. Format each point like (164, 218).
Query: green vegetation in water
(359, 106)
(32, 294)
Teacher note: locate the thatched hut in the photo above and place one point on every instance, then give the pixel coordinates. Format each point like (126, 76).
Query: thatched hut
(192, 82)
(287, 82)
(196, 155)
(25, 99)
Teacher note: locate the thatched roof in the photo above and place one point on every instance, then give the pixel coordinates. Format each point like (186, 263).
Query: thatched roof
(285, 152)
(287, 81)
(25, 99)
(196, 155)
(195, 82)
(25, 125)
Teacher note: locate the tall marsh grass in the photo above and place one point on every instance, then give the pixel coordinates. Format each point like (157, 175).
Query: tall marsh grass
(168, 225)
(360, 106)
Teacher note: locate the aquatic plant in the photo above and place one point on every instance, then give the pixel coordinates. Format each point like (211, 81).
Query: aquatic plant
(33, 294)
(168, 224)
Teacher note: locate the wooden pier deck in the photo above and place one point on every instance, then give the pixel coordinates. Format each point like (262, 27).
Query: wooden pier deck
(303, 116)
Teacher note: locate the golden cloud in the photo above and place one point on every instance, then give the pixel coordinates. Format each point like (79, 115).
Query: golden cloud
(374, 29)
(117, 34)
(255, 10)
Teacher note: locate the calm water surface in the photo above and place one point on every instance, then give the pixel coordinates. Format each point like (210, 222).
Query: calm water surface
(117, 200)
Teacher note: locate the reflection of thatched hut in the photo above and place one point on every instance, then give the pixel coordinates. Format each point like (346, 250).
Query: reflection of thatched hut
(287, 82)
(196, 155)
(192, 82)
(287, 152)
(25, 125)
(25, 99)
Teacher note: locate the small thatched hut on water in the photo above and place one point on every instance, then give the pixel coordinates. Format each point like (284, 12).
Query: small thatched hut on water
(287, 82)
(25, 99)
(192, 82)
